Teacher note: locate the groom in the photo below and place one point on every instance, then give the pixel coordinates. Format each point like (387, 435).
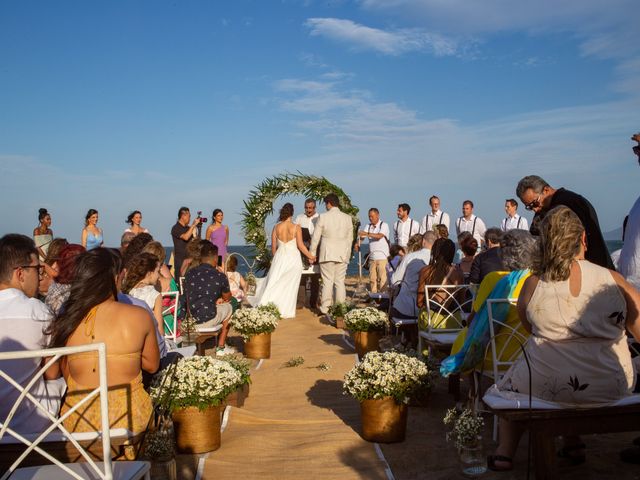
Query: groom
(334, 233)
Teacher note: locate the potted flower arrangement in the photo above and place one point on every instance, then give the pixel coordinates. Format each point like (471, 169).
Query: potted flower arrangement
(159, 449)
(466, 428)
(242, 365)
(338, 311)
(255, 326)
(367, 325)
(197, 387)
(383, 383)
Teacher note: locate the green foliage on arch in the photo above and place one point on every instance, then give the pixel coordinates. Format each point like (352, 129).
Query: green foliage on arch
(259, 205)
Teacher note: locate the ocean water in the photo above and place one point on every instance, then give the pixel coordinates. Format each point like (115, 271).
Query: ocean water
(248, 252)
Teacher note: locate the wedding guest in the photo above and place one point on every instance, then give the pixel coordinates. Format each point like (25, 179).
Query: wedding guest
(512, 220)
(468, 222)
(377, 233)
(489, 260)
(576, 312)
(435, 216)
(396, 252)
(310, 274)
(237, 283)
(441, 230)
(91, 233)
(218, 234)
(469, 248)
(93, 314)
(143, 272)
(415, 243)
(440, 271)
(65, 265)
(125, 240)
(539, 196)
(422, 253)
(193, 256)
(135, 248)
(50, 272)
(181, 233)
(629, 261)
(22, 319)
(166, 283)
(42, 234)
(134, 219)
(404, 227)
(208, 295)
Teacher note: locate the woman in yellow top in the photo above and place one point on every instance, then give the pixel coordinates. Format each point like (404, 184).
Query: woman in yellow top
(517, 249)
(92, 314)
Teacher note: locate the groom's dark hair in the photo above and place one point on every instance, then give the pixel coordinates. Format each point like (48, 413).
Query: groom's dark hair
(332, 198)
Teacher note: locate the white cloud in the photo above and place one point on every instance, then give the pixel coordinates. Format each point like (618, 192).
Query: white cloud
(388, 42)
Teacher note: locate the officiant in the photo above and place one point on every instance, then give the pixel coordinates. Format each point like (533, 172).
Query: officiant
(311, 273)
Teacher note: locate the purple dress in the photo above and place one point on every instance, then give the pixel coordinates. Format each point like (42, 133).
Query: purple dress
(219, 238)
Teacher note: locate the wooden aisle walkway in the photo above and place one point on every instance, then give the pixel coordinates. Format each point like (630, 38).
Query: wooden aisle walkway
(296, 424)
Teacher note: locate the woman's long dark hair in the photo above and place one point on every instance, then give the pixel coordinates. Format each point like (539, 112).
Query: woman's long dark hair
(286, 211)
(138, 268)
(213, 215)
(131, 215)
(442, 254)
(94, 282)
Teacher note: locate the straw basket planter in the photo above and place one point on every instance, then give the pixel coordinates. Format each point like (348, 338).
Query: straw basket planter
(258, 346)
(197, 431)
(367, 341)
(383, 420)
(340, 323)
(237, 398)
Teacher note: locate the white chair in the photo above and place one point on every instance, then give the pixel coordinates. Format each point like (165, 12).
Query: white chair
(172, 333)
(90, 469)
(446, 317)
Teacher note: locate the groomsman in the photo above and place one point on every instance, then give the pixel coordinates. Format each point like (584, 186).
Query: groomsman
(377, 232)
(468, 222)
(404, 227)
(435, 217)
(334, 233)
(513, 220)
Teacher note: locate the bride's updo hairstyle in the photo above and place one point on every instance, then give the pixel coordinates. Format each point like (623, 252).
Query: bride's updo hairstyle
(286, 211)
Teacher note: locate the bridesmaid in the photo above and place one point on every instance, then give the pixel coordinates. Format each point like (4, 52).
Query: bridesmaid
(218, 234)
(42, 234)
(134, 219)
(91, 234)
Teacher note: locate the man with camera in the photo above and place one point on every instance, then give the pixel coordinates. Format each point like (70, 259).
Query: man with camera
(181, 233)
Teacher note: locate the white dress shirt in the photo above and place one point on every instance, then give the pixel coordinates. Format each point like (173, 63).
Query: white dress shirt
(629, 262)
(378, 248)
(511, 223)
(310, 224)
(405, 302)
(402, 230)
(423, 254)
(475, 226)
(431, 219)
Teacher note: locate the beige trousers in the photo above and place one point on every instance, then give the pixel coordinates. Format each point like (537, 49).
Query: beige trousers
(378, 275)
(332, 274)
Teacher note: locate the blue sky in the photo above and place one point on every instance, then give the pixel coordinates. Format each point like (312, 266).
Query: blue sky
(151, 105)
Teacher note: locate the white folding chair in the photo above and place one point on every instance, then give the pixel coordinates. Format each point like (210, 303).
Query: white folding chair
(445, 318)
(90, 469)
(172, 333)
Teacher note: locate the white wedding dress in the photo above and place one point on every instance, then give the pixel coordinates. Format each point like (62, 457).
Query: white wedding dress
(280, 286)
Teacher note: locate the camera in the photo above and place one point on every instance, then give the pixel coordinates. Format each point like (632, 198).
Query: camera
(202, 219)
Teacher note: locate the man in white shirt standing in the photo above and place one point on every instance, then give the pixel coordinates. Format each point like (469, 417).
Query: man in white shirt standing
(468, 222)
(513, 220)
(435, 217)
(307, 220)
(377, 232)
(22, 319)
(405, 226)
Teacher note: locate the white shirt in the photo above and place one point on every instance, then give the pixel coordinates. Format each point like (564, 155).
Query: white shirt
(378, 249)
(405, 302)
(515, 222)
(629, 262)
(423, 254)
(431, 219)
(402, 231)
(475, 226)
(307, 222)
(21, 322)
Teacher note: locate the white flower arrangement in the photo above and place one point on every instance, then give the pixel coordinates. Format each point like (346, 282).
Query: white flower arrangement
(197, 382)
(253, 321)
(241, 364)
(388, 374)
(365, 319)
(466, 426)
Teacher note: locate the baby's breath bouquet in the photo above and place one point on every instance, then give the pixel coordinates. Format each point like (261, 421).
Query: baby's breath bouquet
(340, 309)
(388, 374)
(253, 321)
(365, 319)
(241, 365)
(271, 308)
(465, 426)
(197, 382)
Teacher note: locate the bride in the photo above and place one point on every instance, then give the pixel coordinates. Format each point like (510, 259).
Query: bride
(282, 282)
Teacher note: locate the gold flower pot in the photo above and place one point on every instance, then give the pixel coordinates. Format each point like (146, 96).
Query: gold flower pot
(237, 397)
(258, 346)
(340, 323)
(197, 431)
(367, 341)
(383, 420)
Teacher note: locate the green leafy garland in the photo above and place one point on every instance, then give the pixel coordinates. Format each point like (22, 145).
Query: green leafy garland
(259, 205)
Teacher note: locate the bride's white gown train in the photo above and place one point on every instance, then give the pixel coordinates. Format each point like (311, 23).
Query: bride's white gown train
(280, 286)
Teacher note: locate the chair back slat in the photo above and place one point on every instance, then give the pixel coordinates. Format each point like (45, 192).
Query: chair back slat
(450, 309)
(499, 328)
(171, 309)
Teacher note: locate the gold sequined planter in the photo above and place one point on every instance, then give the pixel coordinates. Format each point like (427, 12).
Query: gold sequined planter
(197, 431)
(258, 346)
(383, 420)
(367, 341)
